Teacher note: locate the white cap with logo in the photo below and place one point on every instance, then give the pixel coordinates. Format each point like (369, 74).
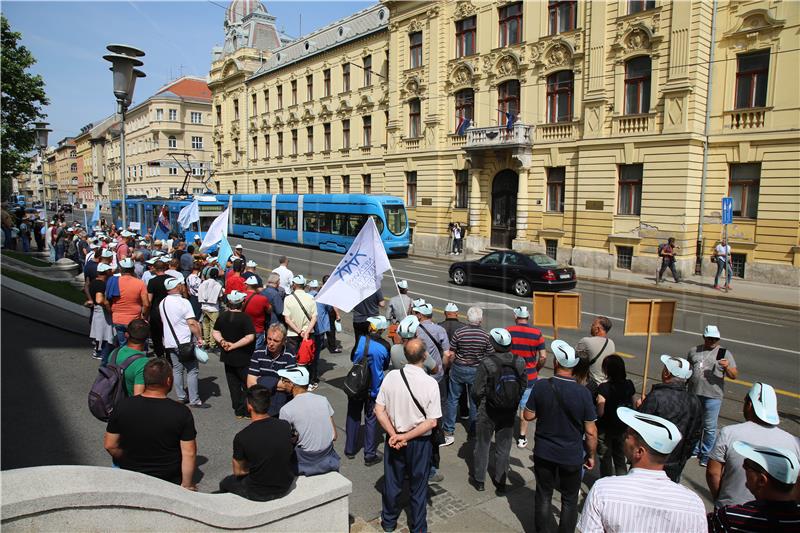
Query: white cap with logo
(297, 375)
(677, 366)
(565, 354)
(501, 336)
(712, 332)
(424, 309)
(299, 280)
(407, 328)
(379, 322)
(171, 283)
(251, 264)
(236, 297)
(402, 284)
(251, 280)
(451, 308)
(659, 433)
(765, 403)
(781, 464)
(126, 263)
(521, 312)
(313, 284)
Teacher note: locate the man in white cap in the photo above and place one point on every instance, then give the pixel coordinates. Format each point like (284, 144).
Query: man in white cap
(238, 253)
(300, 314)
(645, 499)
(565, 438)
(725, 476)
(131, 300)
(197, 242)
(670, 399)
(771, 475)
(399, 307)
(528, 343)
(284, 273)
(250, 271)
(451, 323)
(407, 330)
(369, 306)
(499, 385)
(711, 364)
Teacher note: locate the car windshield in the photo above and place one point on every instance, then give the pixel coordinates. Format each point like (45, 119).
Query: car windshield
(543, 260)
(395, 218)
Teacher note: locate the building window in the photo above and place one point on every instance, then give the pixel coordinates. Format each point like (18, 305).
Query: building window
(367, 131)
(294, 185)
(414, 118)
(743, 188)
(465, 104)
(255, 147)
(346, 184)
(366, 182)
(326, 82)
(326, 182)
(266, 147)
(624, 257)
(199, 170)
(280, 185)
(266, 100)
(255, 186)
(751, 79)
(160, 114)
(236, 151)
(280, 144)
(173, 171)
(563, 16)
(310, 185)
(294, 142)
(310, 139)
(462, 189)
(737, 264)
(219, 114)
(551, 248)
(345, 77)
(367, 71)
(511, 24)
(411, 188)
(196, 117)
(555, 189)
(280, 96)
(173, 114)
(346, 133)
(415, 49)
(294, 92)
(559, 96)
(637, 85)
(635, 6)
(326, 136)
(309, 87)
(465, 36)
(197, 143)
(172, 142)
(254, 104)
(508, 100)
(219, 153)
(630, 189)
(235, 109)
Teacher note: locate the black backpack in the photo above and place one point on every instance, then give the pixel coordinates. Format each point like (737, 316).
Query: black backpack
(357, 381)
(502, 387)
(109, 387)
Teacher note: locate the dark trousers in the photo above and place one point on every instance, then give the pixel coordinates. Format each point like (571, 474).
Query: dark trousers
(331, 339)
(238, 486)
(360, 329)
(354, 410)
(612, 458)
(569, 482)
(313, 370)
(292, 344)
(671, 264)
(674, 470)
(413, 460)
(502, 427)
(237, 383)
(157, 333)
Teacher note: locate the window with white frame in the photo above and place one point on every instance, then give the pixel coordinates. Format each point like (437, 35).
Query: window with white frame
(743, 186)
(196, 117)
(159, 114)
(173, 114)
(172, 141)
(197, 143)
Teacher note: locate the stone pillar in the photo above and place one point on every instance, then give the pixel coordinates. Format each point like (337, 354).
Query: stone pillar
(475, 239)
(522, 204)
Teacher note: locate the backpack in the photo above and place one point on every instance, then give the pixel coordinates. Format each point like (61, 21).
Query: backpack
(357, 380)
(661, 250)
(502, 388)
(109, 387)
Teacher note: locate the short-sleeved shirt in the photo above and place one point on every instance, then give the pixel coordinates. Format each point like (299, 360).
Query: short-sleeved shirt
(616, 394)
(471, 344)
(234, 282)
(708, 377)
(398, 359)
(128, 306)
(402, 411)
(285, 276)
(378, 354)
(265, 366)
(208, 295)
(234, 325)
(151, 431)
(258, 308)
(90, 270)
(267, 448)
(759, 516)
(293, 307)
(732, 490)
(527, 342)
(398, 308)
(589, 348)
(310, 415)
(156, 287)
(370, 306)
(723, 251)
(95, 286)
(557, 439)
(451, 325)
(179, 311)
(134, 374)
(276, 301)
(427, 332)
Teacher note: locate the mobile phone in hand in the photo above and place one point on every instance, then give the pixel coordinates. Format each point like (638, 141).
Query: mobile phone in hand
(721, 353)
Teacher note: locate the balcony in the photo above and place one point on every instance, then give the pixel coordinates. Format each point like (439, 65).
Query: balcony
(457, 141)
(557, 131)
(520, 135)
(634, 124)
(411, 143)
(753, 118)
(366, 150)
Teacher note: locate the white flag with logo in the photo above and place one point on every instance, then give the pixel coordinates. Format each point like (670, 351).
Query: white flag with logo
(359, 273)
(216, 232)
(189, 215)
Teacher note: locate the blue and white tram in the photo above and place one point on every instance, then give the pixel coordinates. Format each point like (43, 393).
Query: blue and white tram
(145, 211)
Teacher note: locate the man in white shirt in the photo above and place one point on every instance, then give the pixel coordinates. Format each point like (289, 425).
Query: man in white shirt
(645, 499)
(285, 274)
(300, 313)
(180, 325)
(722, 255)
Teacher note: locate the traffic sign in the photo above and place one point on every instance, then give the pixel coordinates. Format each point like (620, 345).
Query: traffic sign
(727, 210)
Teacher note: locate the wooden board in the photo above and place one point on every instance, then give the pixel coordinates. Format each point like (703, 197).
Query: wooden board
(638, 320)
(557, 310)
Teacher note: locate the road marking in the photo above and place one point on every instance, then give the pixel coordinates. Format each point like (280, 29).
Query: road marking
(732, 318)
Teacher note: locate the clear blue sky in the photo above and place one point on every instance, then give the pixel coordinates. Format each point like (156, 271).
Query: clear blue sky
(68, 40)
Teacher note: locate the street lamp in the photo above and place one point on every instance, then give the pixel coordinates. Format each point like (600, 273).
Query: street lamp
(123, 65)
(41, 144)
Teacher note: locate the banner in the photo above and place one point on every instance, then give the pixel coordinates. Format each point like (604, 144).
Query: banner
(359, 273)
(96, 215)
(189, 215)
(163, 226)
(224, 253)
(216, 232)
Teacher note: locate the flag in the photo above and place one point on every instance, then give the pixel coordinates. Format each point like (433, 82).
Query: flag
(224, 253)
(463, 125)
(216, 232)
(510, 119)
(189, 215)
(96, 215)
(163, 226)
(359, 273)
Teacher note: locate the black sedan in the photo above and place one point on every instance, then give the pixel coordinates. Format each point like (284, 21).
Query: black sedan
(521, 273)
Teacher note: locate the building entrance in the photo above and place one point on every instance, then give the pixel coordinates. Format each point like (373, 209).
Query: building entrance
(504, 209)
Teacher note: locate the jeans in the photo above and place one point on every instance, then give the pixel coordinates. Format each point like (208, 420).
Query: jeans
(668, 264)
(711, 407)
(723, 264)
(460, 376)
(612, 458)
(457, 245)
(192, 372)
(261, 341)
(354, 409)
(236, 376)
(105, 350)
(502, 427)
(119, 330)
(209, 318)
(26, 243)
(569, 482)
(414, 459)
(59, 250)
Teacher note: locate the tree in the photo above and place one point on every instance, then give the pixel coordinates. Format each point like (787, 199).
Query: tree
(23, 97)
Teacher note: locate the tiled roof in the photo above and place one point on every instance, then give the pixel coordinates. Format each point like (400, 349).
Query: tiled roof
(187, 87)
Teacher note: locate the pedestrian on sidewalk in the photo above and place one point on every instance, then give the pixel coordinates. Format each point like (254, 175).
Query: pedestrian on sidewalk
(667, 254)
(527, 342)
(711, 364)
(616, 391)
(457, 234)
(722, 257)
(235, 334)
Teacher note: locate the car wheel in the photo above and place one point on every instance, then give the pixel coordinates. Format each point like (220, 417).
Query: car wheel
(459, 276)
(522, 287)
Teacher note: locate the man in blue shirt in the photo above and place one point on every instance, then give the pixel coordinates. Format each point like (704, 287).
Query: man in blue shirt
(275, 297)
(378, 359)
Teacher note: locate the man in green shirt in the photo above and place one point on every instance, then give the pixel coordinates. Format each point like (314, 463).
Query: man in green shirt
(137, 334)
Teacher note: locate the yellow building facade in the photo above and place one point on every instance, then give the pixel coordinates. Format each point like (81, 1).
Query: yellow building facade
(630, 121)
(66, 171)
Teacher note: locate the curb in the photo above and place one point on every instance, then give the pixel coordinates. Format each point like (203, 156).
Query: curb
(46, 298)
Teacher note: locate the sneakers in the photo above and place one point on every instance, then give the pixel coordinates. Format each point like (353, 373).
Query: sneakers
(522, 442)
(703, 462)
(438, 477)
(374, 460)
(448, 440)
(312, 387)
(199, 405)
(97, 356)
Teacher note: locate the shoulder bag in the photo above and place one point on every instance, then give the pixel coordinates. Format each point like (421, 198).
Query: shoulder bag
(560, 401)
(186, 349)
(437, 434)
(307, 349)
(596, 357)
(435, 342)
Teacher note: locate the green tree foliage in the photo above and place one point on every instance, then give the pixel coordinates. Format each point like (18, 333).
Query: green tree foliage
(23, 97)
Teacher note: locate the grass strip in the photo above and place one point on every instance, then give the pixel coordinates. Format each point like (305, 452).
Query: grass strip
(62, 289)
(25, 258)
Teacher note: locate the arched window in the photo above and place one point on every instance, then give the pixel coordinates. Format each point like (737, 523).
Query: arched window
(559, 96)
(465, 104)
(508, 101)
(73, 167)
(637, 85)
(172, 142)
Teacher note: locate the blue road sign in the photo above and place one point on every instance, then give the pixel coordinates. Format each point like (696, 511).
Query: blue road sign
(727, 210)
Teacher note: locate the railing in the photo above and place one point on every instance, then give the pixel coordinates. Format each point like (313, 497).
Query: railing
(411, 144)
(558, 131)
(499, 136)
(366, 150)
(634, 124)
(746, 119)
(345, 152)
(457, 141)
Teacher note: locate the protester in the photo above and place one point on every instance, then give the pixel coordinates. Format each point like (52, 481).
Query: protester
(300, 314)
(151, 434)
(102, 330)
(399, 308)
(499, 385)
(235, 334)
(711, 364)
(233, 279)
(645, 499)
(311, 417)
(129, 299)
(137, 333)
(156, 292)
(258, 308)
(451, 323)
(186, 259)
(527, 342)
(616, 391)
(722, 257)
(284, 274)
(273, 293)
(565, 439)
(407, 407)
(193, 281)
(368, 307)
(262, 453)
(238, 254)
(725, 476)
(250, 272)
(209, 295)
(596, 347)
(264, 366)
(407, 330)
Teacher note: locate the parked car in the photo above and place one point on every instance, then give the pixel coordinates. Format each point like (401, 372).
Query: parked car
(518, 272)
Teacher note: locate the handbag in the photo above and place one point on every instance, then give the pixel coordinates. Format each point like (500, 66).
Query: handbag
(437, 434)
(201, 354)
(185, 350)
(306, 352)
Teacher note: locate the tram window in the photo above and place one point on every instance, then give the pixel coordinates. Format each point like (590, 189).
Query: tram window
(324, 223)
(237, 216)
(338, 223)
(395, 218)
(266, 218)
(355, 223)
(287, 220)
(378, 223)
(310, 222)
(205, 223)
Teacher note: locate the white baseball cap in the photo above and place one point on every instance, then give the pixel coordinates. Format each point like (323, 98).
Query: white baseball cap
(451, 308)
(565, 354)
(250, 263)
(152, 261)
(418, 302)
(126, 233)
(407, 328)
(299, 280)
(378, 322)
(251, 280)
(313, 284)
(659, 433)
(521, 312)
(236, 296)
(211, 259)
(501, 336)
(113, 244)
(126, 263)
(780, 463)
(424, 309)
(765, 403)
(165, 259)
(171, 283)
(677, 366)
(712, 332)
(297, 375)
(197, 237)
(104, 267)
(402, 284)
(238, 246)
(106, 253)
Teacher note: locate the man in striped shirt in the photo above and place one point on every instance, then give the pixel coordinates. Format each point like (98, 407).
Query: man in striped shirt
(645, 499)
(527, 342)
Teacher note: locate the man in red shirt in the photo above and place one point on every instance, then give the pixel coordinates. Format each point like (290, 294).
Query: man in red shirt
(233, 279)
(258, 307)
(123, 248)
(528, 343)
(131, 303)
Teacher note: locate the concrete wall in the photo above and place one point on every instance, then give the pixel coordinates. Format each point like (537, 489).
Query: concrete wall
(87, 498)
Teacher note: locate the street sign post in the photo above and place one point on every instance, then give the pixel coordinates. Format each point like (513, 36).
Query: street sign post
(557, 310)
(727, 210)
(649, 317)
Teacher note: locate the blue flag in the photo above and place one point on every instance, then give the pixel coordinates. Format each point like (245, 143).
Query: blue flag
(510, 118)
(463, 125)
(224, 253)
(96, 215)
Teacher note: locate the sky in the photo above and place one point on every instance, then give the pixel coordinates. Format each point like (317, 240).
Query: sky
(68, 40)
